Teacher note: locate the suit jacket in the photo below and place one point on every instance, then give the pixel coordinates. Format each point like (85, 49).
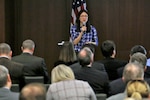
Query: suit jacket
(15, 71)
(6, 94)
(99, 66)
(111, 66)
(34, 66)
(120, 96)
(70, 90)
(117, 86)
(98, 80)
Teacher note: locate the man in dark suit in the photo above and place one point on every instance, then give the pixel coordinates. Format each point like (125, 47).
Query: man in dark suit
(5, 85)
(118, 86)
(108, 49)
(96, 65)
(98, 80)
(34, 66)
(134, 49)
(15, 69)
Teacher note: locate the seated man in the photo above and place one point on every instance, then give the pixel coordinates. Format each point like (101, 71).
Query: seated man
(115, 88)
(131, 71)
(134, 49)
(108, 49)
(98, 80)
(33, 91)
(15, 69)
(96, 65)
(34, 66)
(5, 85)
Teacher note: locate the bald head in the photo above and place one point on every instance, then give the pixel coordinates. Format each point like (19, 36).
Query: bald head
(133, 71)
(33, 91)
(85, 56)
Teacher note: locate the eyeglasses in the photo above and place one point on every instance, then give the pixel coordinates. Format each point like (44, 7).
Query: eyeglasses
(84, 16)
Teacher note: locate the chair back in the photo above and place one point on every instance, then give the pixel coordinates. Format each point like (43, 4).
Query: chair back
(33, 79)
(101, 96)
(15, 88)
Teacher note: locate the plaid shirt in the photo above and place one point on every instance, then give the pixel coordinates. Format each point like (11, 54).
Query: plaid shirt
(88, 37)
(70, 90)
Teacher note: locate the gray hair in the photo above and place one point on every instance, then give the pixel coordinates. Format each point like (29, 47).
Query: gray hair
(28, 44)
(3, 75)
(133, 71)
(4, 48)
(139, 58)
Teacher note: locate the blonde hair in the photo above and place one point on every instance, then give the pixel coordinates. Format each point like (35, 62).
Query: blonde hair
(61, 73)
(138, 89)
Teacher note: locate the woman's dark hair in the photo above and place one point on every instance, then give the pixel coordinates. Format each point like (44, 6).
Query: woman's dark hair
(67, 53)
(78, 22)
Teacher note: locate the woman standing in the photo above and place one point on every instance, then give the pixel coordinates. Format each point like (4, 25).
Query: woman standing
(83, 33)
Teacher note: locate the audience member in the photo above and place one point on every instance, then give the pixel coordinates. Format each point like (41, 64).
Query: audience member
(98, 80)
(138, 48)
(34, 66)
(15, 69)
(132, 71)
(33, 91)
(5, 85)
(138, 89)
(65, 87)
(134, 49)
(82, 32)
(96, 65)
(108, 49)
(67, 55)
(114, 87)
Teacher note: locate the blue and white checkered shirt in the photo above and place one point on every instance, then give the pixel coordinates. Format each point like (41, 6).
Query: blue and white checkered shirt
(86, 37)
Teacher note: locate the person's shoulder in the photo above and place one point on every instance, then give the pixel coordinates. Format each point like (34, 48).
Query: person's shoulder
(119, 80)
(16, 56)
(92, 27)
(37, 57)
(82, 83)
(73, 26)
(16, 64)
(119, 96)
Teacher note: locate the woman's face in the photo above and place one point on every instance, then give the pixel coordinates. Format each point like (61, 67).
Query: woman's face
(83, 17)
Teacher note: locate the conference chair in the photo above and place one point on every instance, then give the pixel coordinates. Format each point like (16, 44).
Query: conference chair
(32, 79)
(46, 86)
(101, 96)
(14, 88)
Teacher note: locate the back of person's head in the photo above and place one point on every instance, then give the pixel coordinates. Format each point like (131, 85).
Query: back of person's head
(140, 58)
(85, 57)
(67, 52)
(138, 89)
(3, 75)
(28, 44)
(33, 91)
(4, 48)
(61, 73)
(138, 48)
(133, 71)
(107, 48)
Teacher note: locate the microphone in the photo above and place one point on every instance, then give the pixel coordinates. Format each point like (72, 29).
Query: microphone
(84, 23)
